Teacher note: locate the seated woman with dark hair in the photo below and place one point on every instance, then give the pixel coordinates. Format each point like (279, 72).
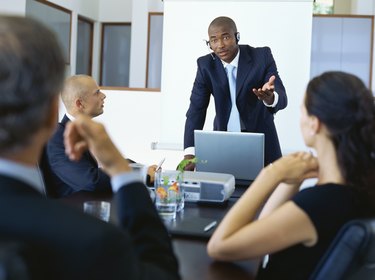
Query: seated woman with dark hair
(295, 228)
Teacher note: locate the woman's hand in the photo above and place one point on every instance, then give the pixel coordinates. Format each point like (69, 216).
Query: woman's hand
(296, 167)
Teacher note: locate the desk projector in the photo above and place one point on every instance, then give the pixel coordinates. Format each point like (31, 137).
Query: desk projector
(206, 186)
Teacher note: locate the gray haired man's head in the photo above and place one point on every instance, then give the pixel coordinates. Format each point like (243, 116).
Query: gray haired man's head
(31, 75)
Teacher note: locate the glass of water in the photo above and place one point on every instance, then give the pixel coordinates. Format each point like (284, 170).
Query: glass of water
(99, 209)
(168, 195)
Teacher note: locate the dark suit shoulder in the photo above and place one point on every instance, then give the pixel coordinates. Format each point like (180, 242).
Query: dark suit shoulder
(57, 139)
(207, 59)
(59, 131)
(62, 235)
(254, 52)
(11, 185)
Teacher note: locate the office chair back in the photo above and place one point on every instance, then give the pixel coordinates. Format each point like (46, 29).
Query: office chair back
(45, 169)
(351, 254)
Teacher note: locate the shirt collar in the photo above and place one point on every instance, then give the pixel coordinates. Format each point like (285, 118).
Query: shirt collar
(30, 175)
(70, 117)
(234, 62)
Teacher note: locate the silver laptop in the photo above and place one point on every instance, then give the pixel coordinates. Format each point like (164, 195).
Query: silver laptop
(236, 153)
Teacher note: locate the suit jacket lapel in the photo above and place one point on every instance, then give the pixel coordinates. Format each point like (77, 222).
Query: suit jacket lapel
(63, 122)
(222, 91)
(244, 68)
(91, 158)
(221, 74)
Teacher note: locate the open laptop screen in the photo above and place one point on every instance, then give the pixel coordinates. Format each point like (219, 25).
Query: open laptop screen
(238, 153)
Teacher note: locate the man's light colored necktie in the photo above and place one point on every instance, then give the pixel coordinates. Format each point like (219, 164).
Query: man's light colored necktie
(234, 118)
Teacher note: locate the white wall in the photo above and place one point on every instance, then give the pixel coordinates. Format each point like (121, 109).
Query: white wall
(88, 8)
(155, 5)
(342, 7)
(138, 59)
(115, 10)
(133, 120)
(366, 7)
(16, 7)
(363, 7)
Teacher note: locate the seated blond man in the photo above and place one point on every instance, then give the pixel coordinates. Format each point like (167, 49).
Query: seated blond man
(80, 95)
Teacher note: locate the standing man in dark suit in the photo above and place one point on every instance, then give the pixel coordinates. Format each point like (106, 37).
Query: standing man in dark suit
(246, 87)
(64, 242)
(80, 95)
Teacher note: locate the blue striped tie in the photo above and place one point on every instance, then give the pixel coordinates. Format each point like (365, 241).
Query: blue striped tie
(234, 118)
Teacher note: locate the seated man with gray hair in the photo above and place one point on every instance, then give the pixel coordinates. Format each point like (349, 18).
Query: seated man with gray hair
(65, 242)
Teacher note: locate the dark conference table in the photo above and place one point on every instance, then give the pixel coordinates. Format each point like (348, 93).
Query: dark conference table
(191, 250)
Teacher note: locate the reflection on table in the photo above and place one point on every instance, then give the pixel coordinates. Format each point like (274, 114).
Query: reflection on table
(196, 264)
(190, 250)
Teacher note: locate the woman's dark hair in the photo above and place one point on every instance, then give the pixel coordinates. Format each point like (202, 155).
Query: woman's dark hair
(346, 107)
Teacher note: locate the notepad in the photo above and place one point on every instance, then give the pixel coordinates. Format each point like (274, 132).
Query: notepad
(192, 227)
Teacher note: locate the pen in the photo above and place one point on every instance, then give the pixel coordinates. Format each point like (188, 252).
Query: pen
(210, 226)
(160, 164)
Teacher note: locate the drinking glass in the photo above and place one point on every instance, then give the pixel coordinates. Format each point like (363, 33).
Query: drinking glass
(169, 195)
(99, 209)
(141, 169)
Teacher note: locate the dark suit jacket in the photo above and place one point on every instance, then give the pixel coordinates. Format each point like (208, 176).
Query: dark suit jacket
(68, 244)
(255, 67)
(68, 176)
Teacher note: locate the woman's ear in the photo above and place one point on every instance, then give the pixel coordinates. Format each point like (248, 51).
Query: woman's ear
(314, 125)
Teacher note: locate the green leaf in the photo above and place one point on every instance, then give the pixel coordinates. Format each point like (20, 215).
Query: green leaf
(181, 166)
(165, 180)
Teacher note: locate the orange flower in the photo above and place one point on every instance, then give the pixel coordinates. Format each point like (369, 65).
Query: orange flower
(174, 187)
(161, 192)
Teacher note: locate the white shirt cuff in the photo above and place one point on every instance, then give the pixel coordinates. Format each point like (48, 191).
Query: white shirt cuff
(189, 151)
(125, 178)
(276, 99)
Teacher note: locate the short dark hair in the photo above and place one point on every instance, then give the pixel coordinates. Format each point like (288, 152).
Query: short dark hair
(342, 102)
(31, 74)
(224, 21)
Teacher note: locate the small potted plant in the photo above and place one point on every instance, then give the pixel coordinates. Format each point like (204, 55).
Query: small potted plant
(169, 185)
